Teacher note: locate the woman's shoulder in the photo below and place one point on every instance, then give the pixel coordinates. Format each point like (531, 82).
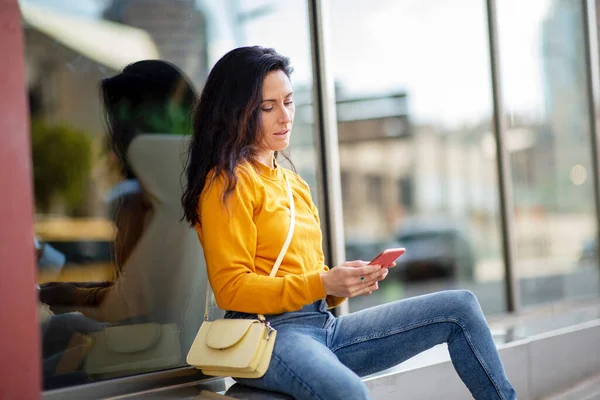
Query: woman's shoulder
(244, 172)
(243, 183)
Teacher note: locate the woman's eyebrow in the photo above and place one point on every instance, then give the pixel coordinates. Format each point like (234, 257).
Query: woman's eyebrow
(286, 96)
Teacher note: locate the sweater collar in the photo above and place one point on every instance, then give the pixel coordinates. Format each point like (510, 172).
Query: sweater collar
(274, 174)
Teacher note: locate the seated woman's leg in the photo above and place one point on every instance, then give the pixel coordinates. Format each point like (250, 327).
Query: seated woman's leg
(371, 340)
(305, 368)
(58, 330)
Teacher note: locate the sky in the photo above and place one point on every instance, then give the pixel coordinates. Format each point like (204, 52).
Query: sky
(436, 50)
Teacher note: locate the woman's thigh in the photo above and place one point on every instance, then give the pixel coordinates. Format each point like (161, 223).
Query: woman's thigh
(381, 337)
(305, 368)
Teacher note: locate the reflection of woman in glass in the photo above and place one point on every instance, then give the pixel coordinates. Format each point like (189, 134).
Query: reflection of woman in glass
(236, 197)
(151, 96)
(64, 341)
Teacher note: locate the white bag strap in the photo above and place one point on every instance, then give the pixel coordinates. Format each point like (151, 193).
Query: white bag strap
(288, 239)
(284, 248)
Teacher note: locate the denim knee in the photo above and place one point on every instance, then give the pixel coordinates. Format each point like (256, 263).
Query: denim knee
(464, 305)
(467, 298)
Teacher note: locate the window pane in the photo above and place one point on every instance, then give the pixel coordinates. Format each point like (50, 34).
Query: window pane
(544, 86)
(110, 238)
(416, 145)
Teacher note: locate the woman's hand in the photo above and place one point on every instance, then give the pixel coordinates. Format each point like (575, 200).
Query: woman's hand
(353, 278)
(57, 293)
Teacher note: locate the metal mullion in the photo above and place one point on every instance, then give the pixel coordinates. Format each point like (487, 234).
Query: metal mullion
(505, 191)
(330, 192)
(592, 82)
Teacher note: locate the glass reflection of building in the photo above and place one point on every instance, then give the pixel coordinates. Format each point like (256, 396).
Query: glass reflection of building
(177, 27)
(565, 88)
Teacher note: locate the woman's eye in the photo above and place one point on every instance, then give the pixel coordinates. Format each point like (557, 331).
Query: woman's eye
(287, 103)
(267, 109)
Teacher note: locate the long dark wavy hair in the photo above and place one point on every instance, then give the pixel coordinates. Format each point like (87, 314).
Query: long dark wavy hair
(227, 121)
(149, 96)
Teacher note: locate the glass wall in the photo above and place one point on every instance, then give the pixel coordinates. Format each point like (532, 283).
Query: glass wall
(543, 80)
(414, 110)
(121, 277)
(418, 162)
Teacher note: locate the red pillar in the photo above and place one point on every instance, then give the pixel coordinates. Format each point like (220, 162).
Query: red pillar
(20, 360)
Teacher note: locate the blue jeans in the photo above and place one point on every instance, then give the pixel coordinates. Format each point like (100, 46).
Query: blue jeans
(319, 356)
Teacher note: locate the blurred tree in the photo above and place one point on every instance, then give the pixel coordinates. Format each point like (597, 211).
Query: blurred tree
(62, 159)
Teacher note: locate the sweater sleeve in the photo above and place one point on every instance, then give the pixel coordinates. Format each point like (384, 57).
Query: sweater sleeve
(332, 301)
(229, 237)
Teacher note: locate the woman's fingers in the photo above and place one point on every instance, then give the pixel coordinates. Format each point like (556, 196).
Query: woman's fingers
(370, 283)
(359, 275)
(365, 290)
(355, 263)
(382, 274)
(361, 292)
(364, 287)
(365, 270)
(353, 278)
(376, 276)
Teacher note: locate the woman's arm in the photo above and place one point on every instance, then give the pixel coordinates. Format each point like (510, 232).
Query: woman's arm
(229, 237)
(332, 301)
(130, 223)
(81, 294)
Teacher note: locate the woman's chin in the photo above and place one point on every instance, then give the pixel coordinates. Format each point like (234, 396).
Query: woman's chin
(281, 146)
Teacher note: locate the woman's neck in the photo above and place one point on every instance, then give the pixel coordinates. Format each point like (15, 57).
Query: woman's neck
(266, 158)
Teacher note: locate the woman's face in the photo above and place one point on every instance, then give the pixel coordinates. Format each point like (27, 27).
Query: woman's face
(277, 110)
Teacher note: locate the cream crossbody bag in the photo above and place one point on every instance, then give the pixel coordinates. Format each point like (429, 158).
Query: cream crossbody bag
(240, 348)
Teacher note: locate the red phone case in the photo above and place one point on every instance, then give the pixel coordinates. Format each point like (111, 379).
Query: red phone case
(387, 257)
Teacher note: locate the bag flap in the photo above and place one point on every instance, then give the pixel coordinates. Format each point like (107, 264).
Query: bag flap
(131, 338)
(224, 333)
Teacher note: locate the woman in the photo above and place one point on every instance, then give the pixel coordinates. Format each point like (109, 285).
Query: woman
(147, 97)
(236, 198)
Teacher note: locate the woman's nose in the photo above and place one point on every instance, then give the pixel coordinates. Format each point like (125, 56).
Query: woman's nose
(285, 116)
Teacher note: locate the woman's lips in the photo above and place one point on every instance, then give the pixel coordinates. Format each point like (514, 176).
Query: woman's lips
(282, 133)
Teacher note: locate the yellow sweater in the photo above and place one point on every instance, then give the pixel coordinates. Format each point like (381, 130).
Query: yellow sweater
(242, 241)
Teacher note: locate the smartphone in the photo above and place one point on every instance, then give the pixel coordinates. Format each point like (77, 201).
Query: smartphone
(387, 257)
